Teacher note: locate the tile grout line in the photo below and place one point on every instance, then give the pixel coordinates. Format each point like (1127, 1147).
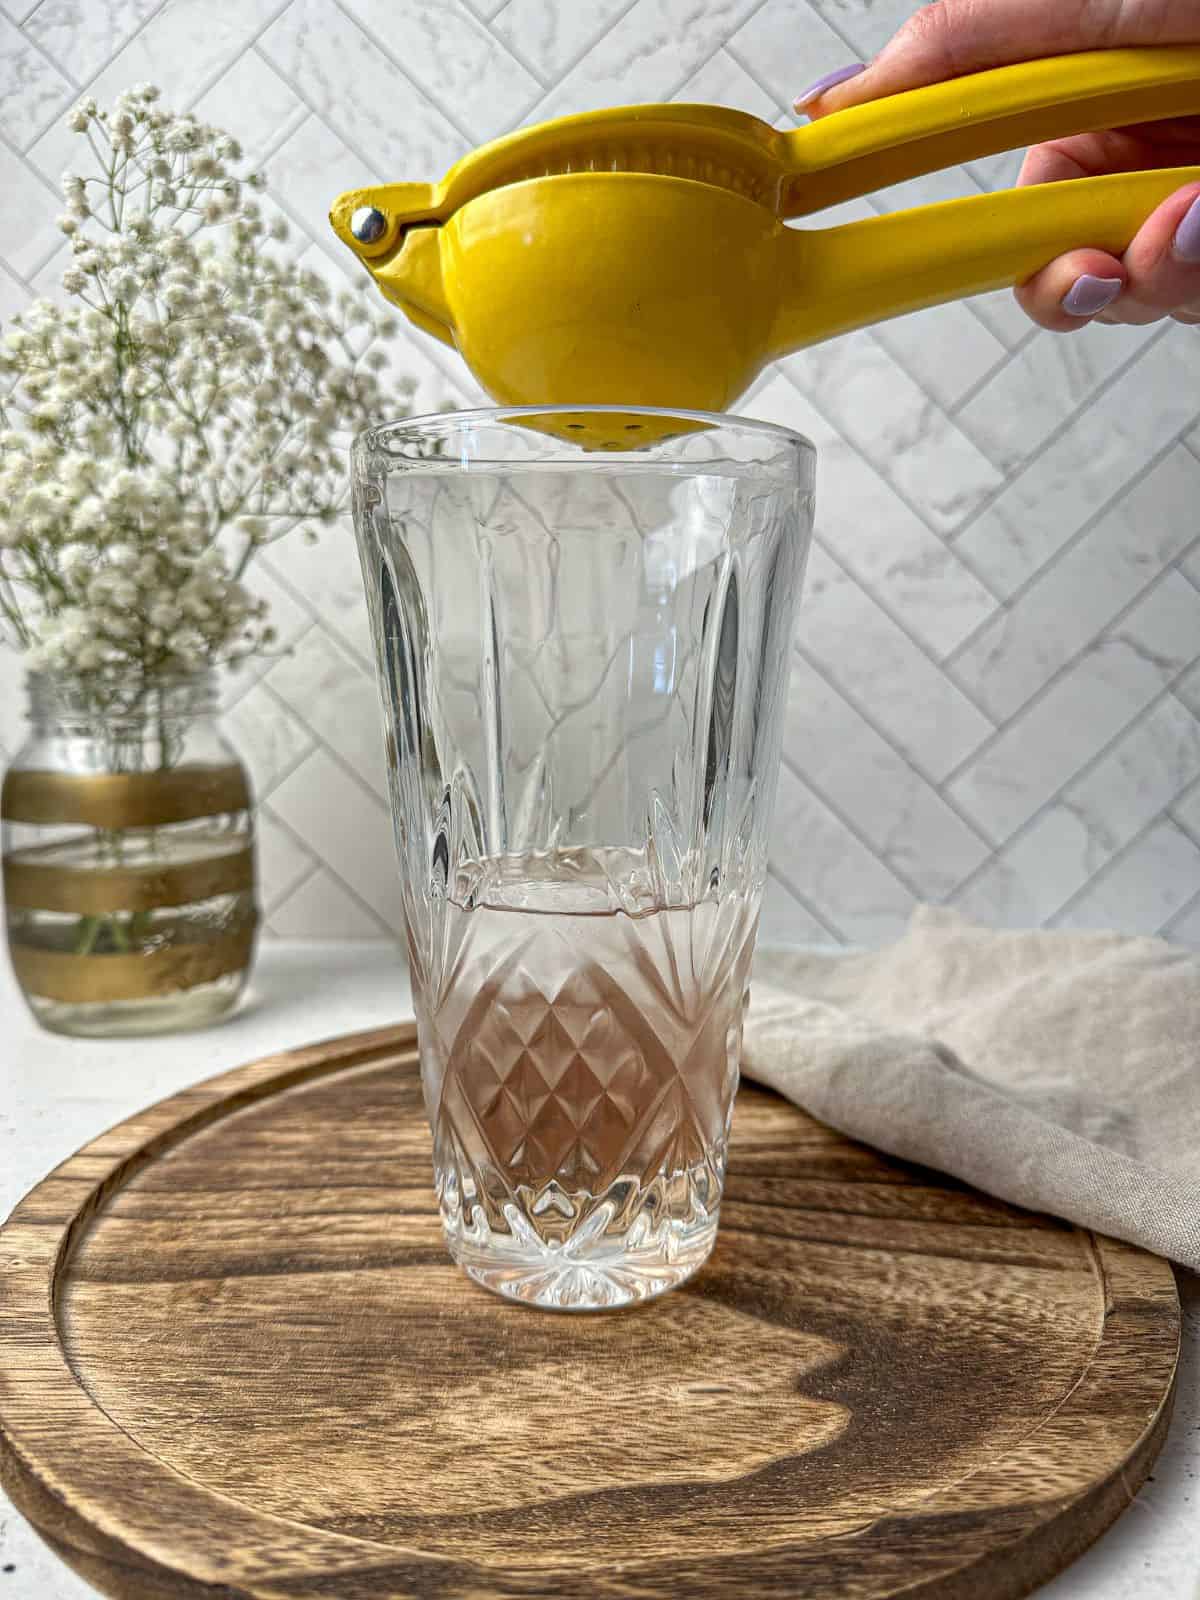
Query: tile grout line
(369, 33)
(1044, 688)
(852, 828)
(1183, 827)
(894, 746)
(1186, 555)
(391, 934)
(304, 600)
(975, 389)
(822, 921)
(1059, 432)
(86, 83)
(918, 644)
(967, 563)
(31, 39)
(1099, 638)
(188, 100)
(291, 767)
(1111, 865)
(249, 682)
(1085, 529)
(580, 55)
(1185, 911)
(324, 745)
(951, 408)
(1001, 847)
(307, 874)
(506, 43)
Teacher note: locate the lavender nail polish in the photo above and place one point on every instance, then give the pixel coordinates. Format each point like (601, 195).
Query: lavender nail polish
(829, 81)
(1187, 235)
(1089, 295)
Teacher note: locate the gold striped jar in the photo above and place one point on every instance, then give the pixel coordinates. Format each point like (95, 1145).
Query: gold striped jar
(128, 858)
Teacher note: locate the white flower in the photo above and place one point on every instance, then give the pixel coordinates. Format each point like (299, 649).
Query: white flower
(182, 135)
(126, 461)
(78, 120)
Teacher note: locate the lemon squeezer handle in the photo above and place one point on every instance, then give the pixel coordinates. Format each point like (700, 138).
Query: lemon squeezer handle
(868, 147)
(843, 278)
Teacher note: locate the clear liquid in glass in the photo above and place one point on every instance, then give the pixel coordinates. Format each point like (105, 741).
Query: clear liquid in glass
(580, 1063)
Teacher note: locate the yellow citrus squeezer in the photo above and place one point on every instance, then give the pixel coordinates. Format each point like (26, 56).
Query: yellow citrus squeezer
(639, 256)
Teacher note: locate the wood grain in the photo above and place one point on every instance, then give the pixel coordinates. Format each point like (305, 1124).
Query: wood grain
(235, 1360)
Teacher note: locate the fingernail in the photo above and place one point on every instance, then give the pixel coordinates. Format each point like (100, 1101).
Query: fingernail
(1187, 235)
(1088, 295)
(829, 81)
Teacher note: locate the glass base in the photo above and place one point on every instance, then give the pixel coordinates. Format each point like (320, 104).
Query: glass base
(591, 1269)
(116, 1019)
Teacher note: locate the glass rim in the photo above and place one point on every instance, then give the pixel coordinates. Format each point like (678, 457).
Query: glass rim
(425, 423)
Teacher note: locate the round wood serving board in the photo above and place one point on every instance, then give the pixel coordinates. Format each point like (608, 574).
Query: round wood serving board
(235, 1360)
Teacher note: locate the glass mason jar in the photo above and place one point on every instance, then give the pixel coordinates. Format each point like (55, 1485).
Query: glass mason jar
(583, 623)
(128, 856)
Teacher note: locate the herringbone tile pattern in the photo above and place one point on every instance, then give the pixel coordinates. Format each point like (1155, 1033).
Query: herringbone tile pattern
(996, 697)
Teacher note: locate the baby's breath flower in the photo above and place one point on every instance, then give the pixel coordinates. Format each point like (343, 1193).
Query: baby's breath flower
(192, 407)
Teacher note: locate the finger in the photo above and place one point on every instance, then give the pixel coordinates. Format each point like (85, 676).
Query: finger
(952, 37)
(1158, 275)
(1086, 155)
(1073, 291)
(1162, 265)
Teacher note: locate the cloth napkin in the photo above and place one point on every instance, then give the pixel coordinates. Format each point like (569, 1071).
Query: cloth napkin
(1058, 1071)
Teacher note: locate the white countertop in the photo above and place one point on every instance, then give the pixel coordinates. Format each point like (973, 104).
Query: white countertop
(56, 1094)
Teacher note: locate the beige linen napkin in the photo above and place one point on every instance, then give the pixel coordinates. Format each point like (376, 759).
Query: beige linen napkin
(1058, 1071)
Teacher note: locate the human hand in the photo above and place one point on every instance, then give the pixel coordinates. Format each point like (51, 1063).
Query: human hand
(1159, 274)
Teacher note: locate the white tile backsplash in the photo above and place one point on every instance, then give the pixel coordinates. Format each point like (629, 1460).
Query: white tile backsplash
(462, 66)
(34, 88)
(996, 697)
(1087, 466)
(183, 48)
(884, 672)
(1155, 879)
(648, 53)
(1065, 607)
(1052, 860)
(81, 35)
(857, 386)
(550, 36)
(1116, 680)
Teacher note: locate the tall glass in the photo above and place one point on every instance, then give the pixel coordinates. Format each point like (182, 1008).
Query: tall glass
(583, 623)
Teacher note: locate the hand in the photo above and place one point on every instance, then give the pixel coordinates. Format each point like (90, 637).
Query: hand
(1159, 275)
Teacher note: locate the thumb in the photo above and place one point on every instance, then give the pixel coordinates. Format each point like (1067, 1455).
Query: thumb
(953, 37)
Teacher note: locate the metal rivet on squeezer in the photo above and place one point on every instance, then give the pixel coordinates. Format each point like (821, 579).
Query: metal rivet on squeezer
(368, 225)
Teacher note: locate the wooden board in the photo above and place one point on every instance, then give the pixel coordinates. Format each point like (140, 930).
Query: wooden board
(235, 1360)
